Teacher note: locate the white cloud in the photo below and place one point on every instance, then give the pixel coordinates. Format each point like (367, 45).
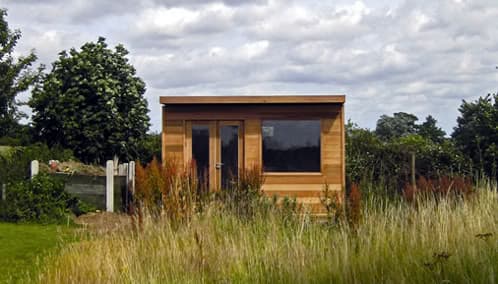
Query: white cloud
(387, 56)
(255, 49)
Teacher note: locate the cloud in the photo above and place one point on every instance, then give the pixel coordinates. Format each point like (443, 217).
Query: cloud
(387, 56)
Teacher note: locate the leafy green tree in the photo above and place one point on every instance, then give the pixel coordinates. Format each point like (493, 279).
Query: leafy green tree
(476, 133)
(398, 125)
(429, 130)
(92, 103)
(16, 76)
(149, 148)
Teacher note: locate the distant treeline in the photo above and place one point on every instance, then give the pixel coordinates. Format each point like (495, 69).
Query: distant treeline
(383, 156)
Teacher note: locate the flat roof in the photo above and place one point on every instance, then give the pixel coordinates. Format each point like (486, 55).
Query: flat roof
(301, 99)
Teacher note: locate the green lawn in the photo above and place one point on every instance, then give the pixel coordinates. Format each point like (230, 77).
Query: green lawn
(21, 246)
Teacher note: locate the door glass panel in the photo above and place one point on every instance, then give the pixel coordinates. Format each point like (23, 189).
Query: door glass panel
(229, 135)
(200, 153)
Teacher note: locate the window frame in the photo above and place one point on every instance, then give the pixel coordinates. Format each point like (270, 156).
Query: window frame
(300, 173)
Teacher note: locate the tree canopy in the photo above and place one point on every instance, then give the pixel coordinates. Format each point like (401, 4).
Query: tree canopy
(476, 133)
(93, 103)
(398, 125)
(16, 76)
(429, 130)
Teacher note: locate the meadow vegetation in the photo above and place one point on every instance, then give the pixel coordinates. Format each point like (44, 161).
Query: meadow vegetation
(433, 234)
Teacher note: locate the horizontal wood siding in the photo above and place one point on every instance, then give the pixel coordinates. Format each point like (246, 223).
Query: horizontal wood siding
(252, 143)
(174, 141)
(332, 152)
(305, 187)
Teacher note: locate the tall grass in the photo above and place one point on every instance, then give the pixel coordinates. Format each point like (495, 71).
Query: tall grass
(448, 240)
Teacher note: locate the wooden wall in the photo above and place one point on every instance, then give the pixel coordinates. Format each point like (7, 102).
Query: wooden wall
(306, 187)
(173, 140)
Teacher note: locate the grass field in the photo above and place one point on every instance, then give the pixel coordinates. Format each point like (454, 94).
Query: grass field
(444, 241)
(22, 245)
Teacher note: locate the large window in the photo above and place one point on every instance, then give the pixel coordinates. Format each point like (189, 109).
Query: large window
(291, 145)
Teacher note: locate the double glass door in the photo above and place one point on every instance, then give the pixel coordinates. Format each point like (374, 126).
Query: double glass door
(216, 149)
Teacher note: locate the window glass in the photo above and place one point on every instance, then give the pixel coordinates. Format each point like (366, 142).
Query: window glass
(291, 145)
(200, 151)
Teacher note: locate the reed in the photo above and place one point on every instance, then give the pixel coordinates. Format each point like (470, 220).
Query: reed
(450, 240)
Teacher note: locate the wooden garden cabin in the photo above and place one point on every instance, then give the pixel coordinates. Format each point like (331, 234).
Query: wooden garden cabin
(297, 141)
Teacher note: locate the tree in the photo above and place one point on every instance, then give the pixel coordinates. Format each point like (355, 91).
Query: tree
(15, 77)
(429, 130)
(149, 148)
(399, 125)
(92, 103)
(476, 133)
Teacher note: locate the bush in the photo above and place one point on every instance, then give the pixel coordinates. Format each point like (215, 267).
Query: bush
(16, 166)
(166, 189)
(41, 199)
(244, 196)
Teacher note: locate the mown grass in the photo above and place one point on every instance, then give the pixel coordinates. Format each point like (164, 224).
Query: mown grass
(444, 241)
(21, 245)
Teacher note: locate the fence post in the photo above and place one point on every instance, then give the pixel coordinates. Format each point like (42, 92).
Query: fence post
(35, 168)
(121, 169)
(131, 176)
(4, 192)
(109, 186)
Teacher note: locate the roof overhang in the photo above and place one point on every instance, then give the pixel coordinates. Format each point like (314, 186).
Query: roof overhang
(277, 99)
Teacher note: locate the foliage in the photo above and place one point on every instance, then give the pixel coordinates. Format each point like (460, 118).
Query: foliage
(166, 189)
(41, 199)
(92, 103)
(476, 133)
(244, 196)
(16, 77)
(353, 206)
(20, 135)
(398, 125)
(429, 130)
(15, 166)
(437, 189)
(333, 205)
(372, 160)
(149, 147)
(438, 242)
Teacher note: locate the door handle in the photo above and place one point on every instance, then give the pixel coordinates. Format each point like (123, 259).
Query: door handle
(219, 165)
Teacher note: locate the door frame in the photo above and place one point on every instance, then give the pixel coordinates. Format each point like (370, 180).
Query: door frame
(240, 160)
(214, 147)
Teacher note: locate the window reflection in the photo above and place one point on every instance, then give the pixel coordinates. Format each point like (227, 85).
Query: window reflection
(200, 152)
(291, 145)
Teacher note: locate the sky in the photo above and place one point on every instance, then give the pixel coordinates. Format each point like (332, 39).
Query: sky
(421, 57)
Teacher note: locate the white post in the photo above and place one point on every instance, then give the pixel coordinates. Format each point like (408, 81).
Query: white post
(35, 168)
(131, 176)
(4, 192)
(109, 186)
(121, 169)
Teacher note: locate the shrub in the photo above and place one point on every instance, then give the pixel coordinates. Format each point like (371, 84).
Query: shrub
(41, 199)
(245, 195)
(16, 166)
(166, 189)
(438, 188)
(353, 207)
(333, 204)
